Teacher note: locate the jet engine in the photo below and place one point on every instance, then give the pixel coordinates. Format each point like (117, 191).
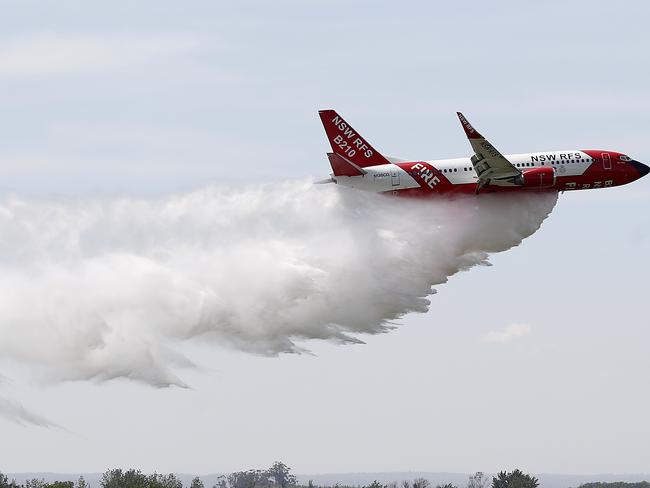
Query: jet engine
(536, 178)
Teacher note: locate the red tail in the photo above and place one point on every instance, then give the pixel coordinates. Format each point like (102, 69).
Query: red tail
(347, 143)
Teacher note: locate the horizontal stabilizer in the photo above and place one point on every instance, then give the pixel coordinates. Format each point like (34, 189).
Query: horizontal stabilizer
(344, 167)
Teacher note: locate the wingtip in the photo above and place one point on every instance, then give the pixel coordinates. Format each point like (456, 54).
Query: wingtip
(470, 131)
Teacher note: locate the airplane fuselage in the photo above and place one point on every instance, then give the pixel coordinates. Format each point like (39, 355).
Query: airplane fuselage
(571, 169)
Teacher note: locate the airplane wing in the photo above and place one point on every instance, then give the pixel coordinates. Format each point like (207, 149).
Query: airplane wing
(488, 162)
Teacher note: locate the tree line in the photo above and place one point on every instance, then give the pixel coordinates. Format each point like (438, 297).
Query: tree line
(279, 476)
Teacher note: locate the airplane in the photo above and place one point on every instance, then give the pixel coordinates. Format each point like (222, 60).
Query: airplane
(357, 164)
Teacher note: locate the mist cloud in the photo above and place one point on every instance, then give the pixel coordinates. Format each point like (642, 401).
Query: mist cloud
(106, 289)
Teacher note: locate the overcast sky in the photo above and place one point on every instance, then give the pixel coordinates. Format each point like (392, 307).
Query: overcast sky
(540, 361)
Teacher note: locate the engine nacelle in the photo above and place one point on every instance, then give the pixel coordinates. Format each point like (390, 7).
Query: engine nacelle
(537, 178)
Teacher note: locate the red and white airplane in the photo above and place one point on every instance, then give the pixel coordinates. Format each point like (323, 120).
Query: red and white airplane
(355, 163)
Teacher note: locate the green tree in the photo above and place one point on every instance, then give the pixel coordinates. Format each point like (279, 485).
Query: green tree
(197, 483)
(375, 484)
(280, 473)
(35, 483)
(81, 483)
(446, 485)
(477, 480)
(421, 483)
(248, 479)
(60, 484)
(222, 482)
(5, 483)
(157, 480)
(116, 478)
(514, 479)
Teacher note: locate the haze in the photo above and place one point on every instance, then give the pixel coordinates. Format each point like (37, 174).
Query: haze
(538, 362)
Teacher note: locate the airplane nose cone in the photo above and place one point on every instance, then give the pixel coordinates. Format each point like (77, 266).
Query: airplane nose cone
(641, 168)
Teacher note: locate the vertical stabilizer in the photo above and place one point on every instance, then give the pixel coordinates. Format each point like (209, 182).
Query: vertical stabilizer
(348, 143)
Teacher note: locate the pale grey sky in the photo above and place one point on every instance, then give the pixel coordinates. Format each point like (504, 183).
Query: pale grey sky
(150, 98)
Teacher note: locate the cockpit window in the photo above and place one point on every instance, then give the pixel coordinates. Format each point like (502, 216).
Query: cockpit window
(625, 158)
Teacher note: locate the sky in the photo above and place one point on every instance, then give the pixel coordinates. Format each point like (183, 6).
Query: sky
(539, 361)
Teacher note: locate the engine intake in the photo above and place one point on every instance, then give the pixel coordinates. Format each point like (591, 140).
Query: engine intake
(536, 178)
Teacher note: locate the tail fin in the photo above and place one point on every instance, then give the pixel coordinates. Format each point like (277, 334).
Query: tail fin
(347, 143)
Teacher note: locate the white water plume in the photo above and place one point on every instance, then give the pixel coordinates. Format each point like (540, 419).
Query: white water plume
(105, 289)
